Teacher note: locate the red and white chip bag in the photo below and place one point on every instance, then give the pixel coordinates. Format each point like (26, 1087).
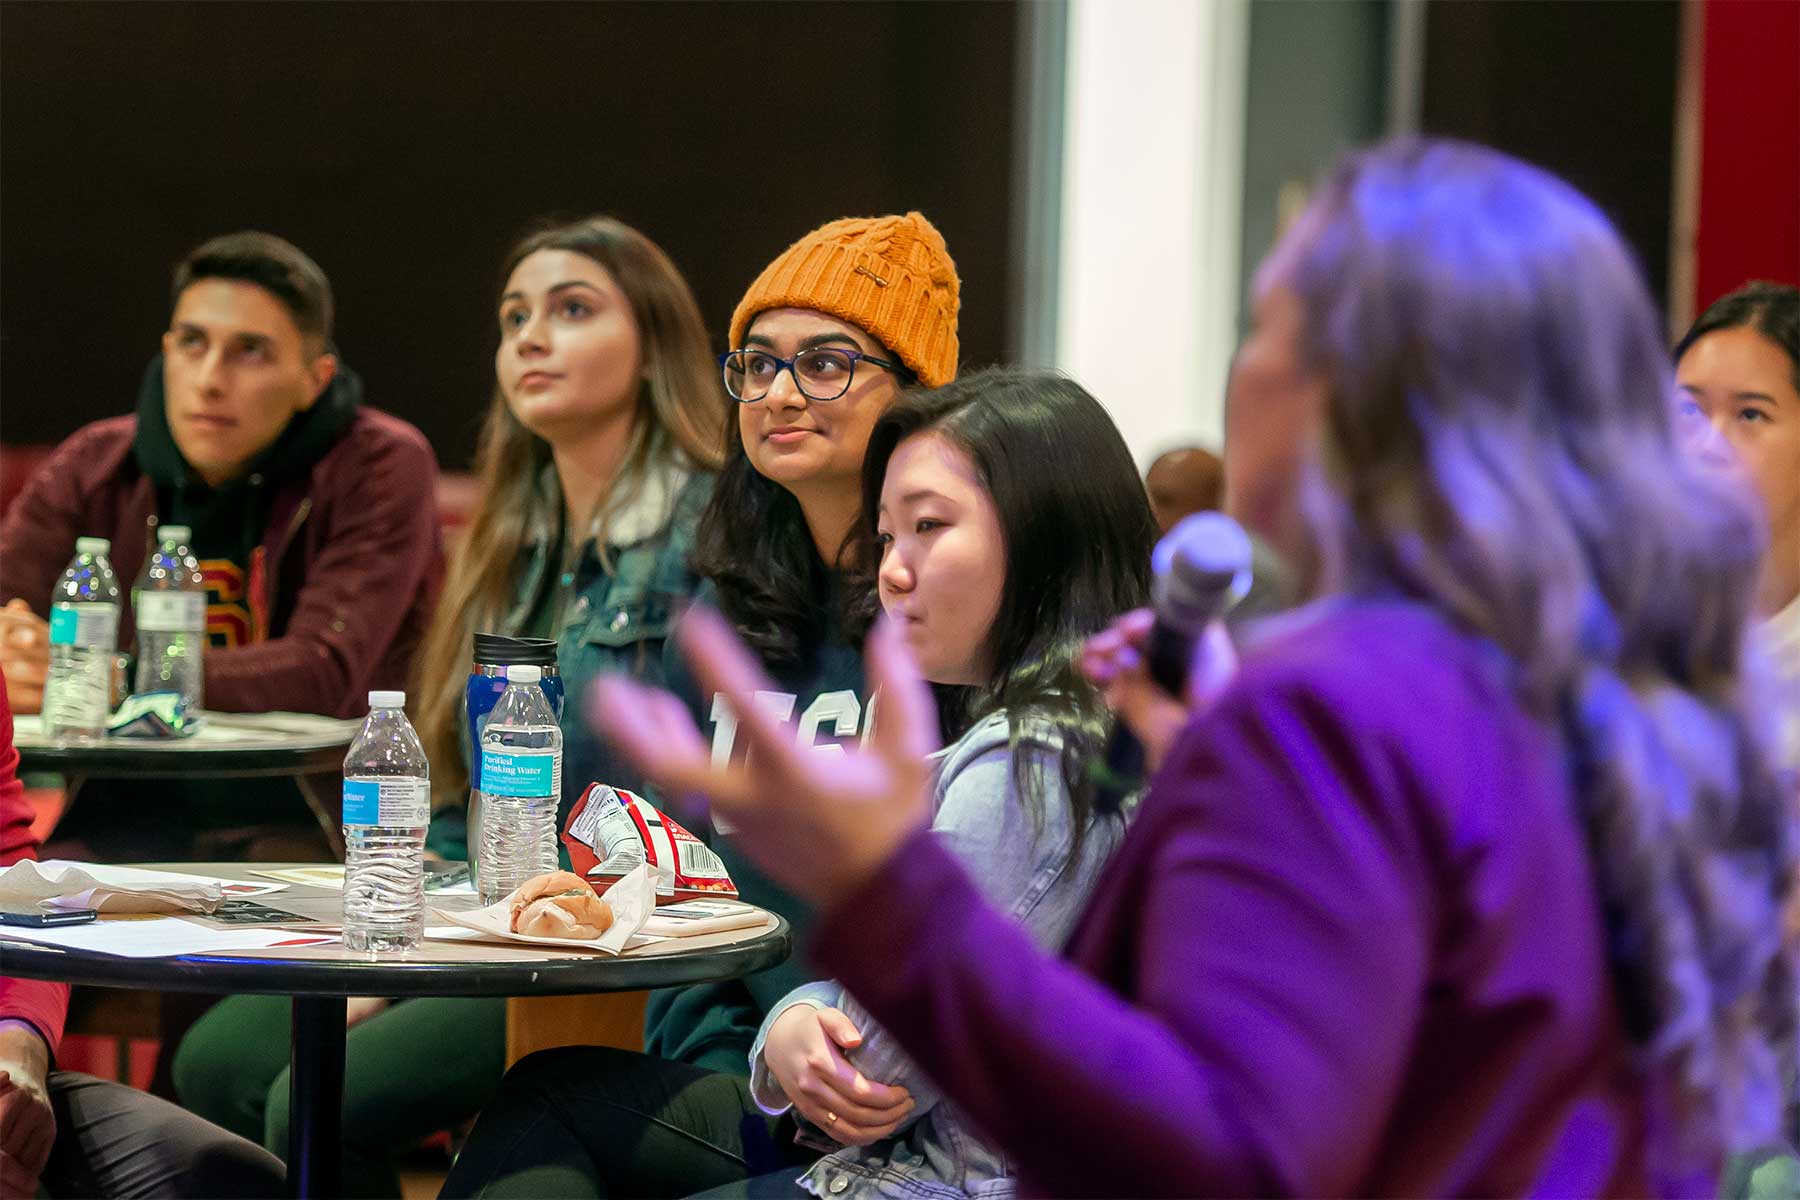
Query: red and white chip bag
(610, 831)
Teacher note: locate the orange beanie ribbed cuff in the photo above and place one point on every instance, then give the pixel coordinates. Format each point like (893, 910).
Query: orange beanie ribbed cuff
(889, 276)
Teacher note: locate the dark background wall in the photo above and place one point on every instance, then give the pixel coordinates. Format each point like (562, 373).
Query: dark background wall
(1584, 87)
(405, 145)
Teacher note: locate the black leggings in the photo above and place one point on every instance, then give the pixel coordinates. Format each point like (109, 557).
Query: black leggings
(115, 1141)
(593, 1121)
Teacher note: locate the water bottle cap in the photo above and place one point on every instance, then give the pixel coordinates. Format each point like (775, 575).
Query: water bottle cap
(387, 699)
(518, 673)
(177, 533)
(93, 545)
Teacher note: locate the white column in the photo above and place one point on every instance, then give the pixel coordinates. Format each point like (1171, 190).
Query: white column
(1152, 178)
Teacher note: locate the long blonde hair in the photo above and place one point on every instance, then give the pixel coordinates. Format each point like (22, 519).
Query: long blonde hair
(1500, 444)
(681, 411)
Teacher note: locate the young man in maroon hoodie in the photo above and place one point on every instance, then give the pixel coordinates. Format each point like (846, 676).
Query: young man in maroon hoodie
(312, 515)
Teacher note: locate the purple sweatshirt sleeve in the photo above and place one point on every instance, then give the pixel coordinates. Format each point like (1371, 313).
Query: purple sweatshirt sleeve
(1269, 927)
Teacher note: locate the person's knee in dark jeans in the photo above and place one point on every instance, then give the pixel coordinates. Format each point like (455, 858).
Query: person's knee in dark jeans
(593, 1121)
(115, 1141)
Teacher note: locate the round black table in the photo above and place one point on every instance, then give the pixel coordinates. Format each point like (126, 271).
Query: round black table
(299, 746)
(319, 978)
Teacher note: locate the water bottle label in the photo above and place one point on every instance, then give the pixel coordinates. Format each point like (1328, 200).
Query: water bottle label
(394, 803)
(171, 612)
(84, 625)
(509, 773)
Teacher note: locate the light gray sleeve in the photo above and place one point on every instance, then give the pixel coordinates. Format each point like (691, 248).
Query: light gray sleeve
(1013, 860)
(765, 1089)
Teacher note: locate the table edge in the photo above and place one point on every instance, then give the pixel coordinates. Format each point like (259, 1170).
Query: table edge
(219, 973)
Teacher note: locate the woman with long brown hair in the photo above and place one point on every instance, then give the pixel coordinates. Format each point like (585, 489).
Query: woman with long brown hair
(595, 463)
(1469, 882)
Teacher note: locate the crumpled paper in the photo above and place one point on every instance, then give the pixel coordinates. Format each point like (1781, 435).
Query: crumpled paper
(28, 883)
(632, 898)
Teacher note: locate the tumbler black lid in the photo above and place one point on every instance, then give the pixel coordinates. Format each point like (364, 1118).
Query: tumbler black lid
(498, 650)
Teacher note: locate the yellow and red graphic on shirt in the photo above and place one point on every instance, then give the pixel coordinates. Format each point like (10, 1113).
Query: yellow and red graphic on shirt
(227, 603)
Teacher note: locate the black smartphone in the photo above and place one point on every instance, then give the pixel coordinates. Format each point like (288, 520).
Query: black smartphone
(40, 919)
(450, 876)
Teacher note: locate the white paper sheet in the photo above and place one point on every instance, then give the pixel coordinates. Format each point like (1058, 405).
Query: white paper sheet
(160, 937)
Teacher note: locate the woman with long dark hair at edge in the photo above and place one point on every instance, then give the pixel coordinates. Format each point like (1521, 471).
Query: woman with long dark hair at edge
(821, 345)
(1738, 369)
(1470, 880)
(595, 461)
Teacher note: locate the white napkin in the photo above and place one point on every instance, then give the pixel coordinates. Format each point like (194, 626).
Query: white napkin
(632, 898)
(64, 886)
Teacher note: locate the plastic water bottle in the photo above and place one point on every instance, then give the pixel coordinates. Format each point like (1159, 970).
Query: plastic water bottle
(169, 600)
(387, 806)
(521, 785)
(84, 634)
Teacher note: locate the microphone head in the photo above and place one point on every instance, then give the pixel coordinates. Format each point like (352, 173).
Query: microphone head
(1202, 568)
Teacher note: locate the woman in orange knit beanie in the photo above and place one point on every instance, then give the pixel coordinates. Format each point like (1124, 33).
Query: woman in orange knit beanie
(819, 347)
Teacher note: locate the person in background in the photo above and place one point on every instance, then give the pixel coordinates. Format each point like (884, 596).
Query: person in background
(1190, 480)
(75, 1135)
(1183, 481)
(312, 513)
(596, 460)
(1738, 369)
(821, 345)
(312, 516)
(1470, 880)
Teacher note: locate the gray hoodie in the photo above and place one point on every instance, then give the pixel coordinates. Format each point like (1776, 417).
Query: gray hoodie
(1022, 863)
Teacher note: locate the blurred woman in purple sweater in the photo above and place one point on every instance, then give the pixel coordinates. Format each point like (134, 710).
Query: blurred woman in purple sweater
(1468, 881)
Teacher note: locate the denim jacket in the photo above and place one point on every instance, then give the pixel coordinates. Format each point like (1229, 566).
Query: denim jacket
(1021, 860)
(612, 621)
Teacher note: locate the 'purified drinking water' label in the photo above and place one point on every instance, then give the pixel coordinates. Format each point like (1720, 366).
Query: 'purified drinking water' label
(522, 773)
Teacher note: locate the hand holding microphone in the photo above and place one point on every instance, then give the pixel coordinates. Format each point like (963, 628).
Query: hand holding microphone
(1153, 666)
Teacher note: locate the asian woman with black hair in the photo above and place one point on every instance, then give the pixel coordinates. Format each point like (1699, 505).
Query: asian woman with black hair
(1010, 526)
(1738, 373)
(1738, 370)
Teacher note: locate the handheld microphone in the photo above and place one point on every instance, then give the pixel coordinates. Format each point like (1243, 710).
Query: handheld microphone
(1200, 569)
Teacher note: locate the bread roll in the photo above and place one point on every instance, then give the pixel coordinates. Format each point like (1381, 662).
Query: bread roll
(560, 905)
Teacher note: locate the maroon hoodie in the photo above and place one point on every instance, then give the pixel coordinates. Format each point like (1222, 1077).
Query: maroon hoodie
(1351, 945)
(342, 580)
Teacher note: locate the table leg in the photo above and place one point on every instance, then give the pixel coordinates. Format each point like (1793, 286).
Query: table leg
(316, 1098)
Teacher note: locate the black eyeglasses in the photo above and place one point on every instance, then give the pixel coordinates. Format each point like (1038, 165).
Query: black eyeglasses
(823, 374)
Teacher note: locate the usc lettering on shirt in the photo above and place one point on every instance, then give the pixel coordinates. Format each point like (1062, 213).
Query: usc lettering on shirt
(227, 609)
(832, 721)
(839, 716)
